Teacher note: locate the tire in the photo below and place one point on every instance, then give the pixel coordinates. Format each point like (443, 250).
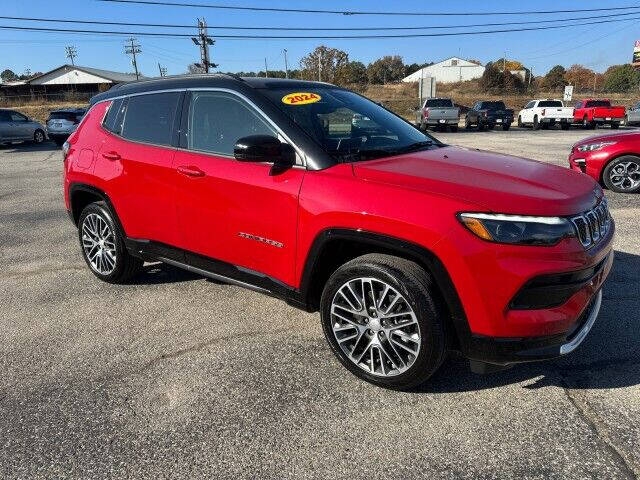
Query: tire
(615, 125)
(626, 120)
(626, 166)
(410, 290)
(453, 128)
(520, 124)
(536, 123)
(565, 126)
(110, 260)
(481, 126)
(506, 126)
(38, 136)
(587, 124)
(467, 123)
(59, 142)
(490, 126)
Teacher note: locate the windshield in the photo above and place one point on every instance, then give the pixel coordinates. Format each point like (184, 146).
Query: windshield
(439, 103)
(347, 125)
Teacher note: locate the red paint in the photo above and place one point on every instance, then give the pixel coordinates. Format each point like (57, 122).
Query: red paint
(627, 143)
(604, 114)
(202, 203)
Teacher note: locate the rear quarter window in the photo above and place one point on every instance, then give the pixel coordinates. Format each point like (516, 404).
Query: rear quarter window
(150, 118)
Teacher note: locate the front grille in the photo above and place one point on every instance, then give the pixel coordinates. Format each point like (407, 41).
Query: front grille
(593, 225)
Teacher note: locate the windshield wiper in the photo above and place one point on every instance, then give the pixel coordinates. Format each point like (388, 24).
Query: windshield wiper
(414, 146)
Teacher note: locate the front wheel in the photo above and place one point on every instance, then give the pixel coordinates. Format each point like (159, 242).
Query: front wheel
(383, 322)
(38, 136)
(506, 126)
(615, 125)
(520, 124)
(564, 126)
(622, 175)
(536, 123)
(103, 245)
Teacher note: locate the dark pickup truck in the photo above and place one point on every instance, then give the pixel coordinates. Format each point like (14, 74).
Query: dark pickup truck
(488, 114)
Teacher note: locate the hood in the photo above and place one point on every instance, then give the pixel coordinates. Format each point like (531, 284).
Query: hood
(633, 136)
(494, 182)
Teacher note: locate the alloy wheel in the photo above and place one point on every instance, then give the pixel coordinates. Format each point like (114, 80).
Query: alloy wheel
(375, 327)
(98, 243)
(625, 175)
(39, 137)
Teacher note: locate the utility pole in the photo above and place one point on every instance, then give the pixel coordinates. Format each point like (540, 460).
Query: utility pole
(286, 65)
(203, 40)
(71, 53)
(132, 49)
(162, 70)
(266, 69)
(319, 65)
(595, 77)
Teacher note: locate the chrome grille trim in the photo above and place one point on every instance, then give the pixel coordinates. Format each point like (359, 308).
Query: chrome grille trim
(593, 225)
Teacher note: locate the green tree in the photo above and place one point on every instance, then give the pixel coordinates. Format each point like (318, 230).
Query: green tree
(554, 79)
(351, 73)
(386, 70)
(8, 76)
(495, 81)
(621, 78)
(323, 62)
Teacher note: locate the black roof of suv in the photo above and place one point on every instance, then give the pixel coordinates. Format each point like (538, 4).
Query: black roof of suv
(202, 81)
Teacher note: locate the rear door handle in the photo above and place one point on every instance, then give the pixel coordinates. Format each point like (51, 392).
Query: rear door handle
(190, 171)
(111, 155)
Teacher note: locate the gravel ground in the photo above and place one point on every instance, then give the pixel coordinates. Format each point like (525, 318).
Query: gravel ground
(179, 377)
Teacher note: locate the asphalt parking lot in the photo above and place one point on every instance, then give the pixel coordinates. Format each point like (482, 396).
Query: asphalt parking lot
(176, 376)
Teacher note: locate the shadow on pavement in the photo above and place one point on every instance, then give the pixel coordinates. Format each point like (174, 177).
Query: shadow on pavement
(46, 146)
(608, 358)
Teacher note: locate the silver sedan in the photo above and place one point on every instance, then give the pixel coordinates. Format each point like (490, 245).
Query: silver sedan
(14, 127)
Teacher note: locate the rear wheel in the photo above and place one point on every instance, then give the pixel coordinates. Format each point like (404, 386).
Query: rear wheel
(103, 245)
(506, 126)
(623, 174)
(615, 125)
(520, 124)
(564, 126)
(467, 123)
(382, 321)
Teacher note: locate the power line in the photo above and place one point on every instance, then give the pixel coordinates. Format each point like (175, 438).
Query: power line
(314, 37)
(361, 12)
(315, 29)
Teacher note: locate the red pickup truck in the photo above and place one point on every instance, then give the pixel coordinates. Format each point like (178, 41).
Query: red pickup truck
(592, 112)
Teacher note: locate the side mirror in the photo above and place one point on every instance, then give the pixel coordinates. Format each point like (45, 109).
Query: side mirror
(265, 148)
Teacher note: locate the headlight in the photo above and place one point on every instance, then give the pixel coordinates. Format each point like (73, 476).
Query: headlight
(517, 229)
(590, 147)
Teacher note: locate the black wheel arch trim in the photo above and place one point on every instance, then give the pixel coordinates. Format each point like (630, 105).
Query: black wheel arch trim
(76, 187)
(403, 248)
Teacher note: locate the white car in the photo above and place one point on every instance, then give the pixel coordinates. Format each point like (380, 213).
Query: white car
(545, 113)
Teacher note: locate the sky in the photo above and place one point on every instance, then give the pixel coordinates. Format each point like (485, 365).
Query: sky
(595, 46)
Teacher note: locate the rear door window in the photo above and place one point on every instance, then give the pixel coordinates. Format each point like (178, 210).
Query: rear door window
(115, 111)
(217, 120)
(150, 118)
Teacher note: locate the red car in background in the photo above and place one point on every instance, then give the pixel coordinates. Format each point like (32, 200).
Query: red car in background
(610, 159)
(592, 112)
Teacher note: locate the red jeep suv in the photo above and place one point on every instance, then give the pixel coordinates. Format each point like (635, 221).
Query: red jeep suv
(408, 247)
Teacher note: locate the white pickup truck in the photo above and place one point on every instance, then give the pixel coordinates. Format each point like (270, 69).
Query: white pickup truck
(545, 113)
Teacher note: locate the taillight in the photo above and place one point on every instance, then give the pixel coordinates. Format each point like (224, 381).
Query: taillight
(425, 113)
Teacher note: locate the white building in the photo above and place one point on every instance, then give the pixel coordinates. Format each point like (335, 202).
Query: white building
(451, 70)
(75, 75)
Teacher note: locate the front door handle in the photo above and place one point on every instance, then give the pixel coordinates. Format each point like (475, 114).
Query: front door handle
(190, 171)
(111, 155)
